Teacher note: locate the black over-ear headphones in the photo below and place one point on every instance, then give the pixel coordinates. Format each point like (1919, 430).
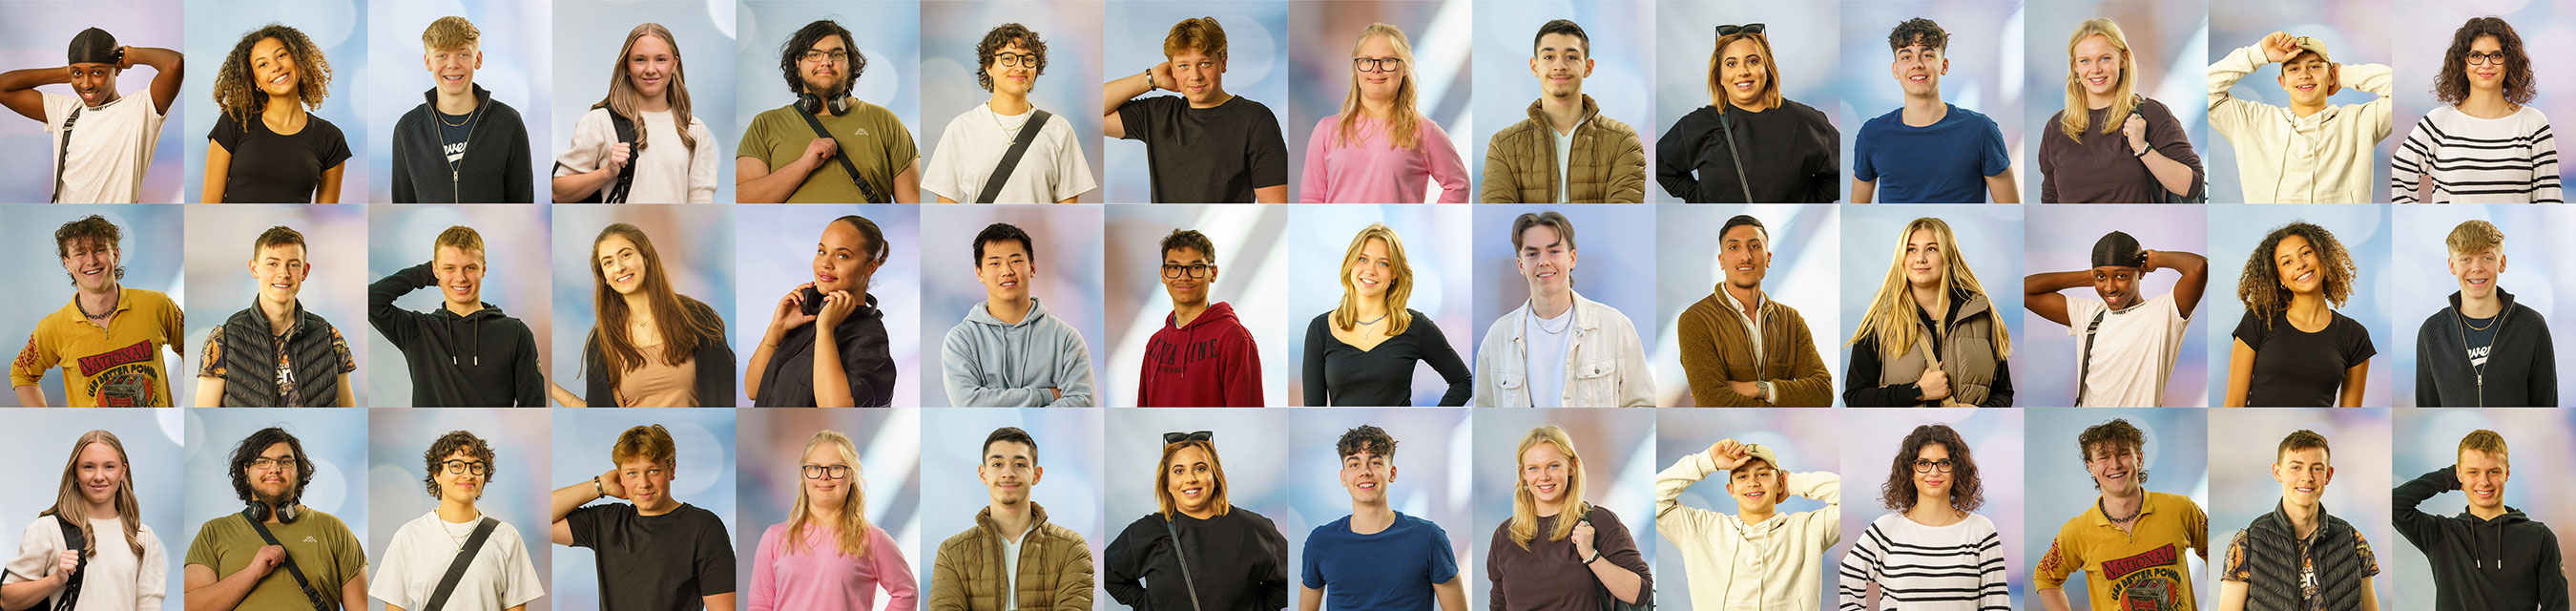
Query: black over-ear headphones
(808, 102)
(259, 512)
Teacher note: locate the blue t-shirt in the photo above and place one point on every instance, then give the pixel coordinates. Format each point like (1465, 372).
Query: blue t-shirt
(1390, 570)
(1944, 163)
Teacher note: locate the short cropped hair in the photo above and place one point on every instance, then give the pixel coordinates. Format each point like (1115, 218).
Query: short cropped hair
(280, 235)
(1197, 33)
(2301, 440)
(1562, 26)
(1003, 232)
(1011, 434)
(2484, 441)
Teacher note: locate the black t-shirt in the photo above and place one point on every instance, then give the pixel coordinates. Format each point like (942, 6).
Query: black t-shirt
(655, 563)
(269, 168)
(2294, 368)
(2480, 334)
(1207, 155)
(866, 358)
(452, 133)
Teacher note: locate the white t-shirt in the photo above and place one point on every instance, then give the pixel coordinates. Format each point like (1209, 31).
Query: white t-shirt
(1011, 568)
(665, 172)
(1052, 171)
(1547, 356)
(1564, 165)
(500, 577)
(2137, 350)
(116, 580)
(111, 147)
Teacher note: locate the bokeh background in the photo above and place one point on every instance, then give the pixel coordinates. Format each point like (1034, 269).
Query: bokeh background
(2429, 439)
(38, 440)
(2061, 239)
(1256, 69)
(1321, 66)
(2423, 276)
(773, 257)
(1618, 463)
(398, 237)
(1989, 237)
(1252, 276)
(1067, 240)
(2548, 31)
(514, 37)
(1620, 266)
(1248, 445)
(952, 444)
(2176, 449)
(1803, 276)
(35, 34)
(337, 27)
(1435, 240)
(1624, 58)
(586, 37)
(1069, 89)
(2355, 32)
(1873, 436)
(1805, 42)
(2169, 39)
(44, 288)
(2234, 231)
(1985, 56)
(225, 286)
(705, 478)
(2248, 441)
(1806, 441)
(1430, 480)
(773, 443)
(697, 248)
(396, 492)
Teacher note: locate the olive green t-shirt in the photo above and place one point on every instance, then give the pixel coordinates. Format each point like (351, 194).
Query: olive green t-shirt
(872, 138)
(320, 543)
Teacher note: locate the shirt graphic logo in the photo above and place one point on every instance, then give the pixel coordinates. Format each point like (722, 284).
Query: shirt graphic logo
(2149, 581)
(124, 377)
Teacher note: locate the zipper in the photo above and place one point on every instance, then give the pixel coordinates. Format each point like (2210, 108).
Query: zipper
(2478, 370)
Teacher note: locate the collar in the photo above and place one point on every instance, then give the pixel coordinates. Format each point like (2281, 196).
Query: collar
(295, 320)
(2147, 506)
(1581, 324)
(124, 301)
(1538, 113)
(2281, 513)
(1759, 299)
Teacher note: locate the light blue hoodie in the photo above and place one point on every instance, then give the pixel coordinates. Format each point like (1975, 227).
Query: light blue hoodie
(989, 363)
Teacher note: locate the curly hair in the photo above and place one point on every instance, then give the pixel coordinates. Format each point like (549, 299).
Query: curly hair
(2451, 86)
(1006, 35)
(1966, 492)
(240, 98)
(2117, 431)
(804, 39)
(250, 449)
(1918, 31)
(2260, 284)
(92, 230)
(1366, 438)
(1190, 238)
(433, 461)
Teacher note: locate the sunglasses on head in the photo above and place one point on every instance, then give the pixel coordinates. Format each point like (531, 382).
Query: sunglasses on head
(1731, 30)
(1170, 438)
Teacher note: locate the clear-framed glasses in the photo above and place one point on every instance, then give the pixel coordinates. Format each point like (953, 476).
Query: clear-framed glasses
(822, 472)
(459, 467)
(815, 56)
(1194, 270)
(1377, 64)
(2476, 58)
(1928, 466)
(1014, 60)
(265, 463)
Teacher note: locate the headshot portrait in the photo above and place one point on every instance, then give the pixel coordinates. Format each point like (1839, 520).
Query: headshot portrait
(261, 276)
(612, 468)
(781, 250)
(970, 77)
(1159, 298)
(1776, 256)
(483, 263)
(69, 63)
(1012, 295)
(595, 86)
(2276, 472)
(1902, 495)
(1392, 263)
(2346, 245)
(2123, 258)
(2459, 270)
(605, 260)
(1547, 66)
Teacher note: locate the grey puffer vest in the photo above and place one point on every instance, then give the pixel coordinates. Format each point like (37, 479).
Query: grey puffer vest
(250, 361)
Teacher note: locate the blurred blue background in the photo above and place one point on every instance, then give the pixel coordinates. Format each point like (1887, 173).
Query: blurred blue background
(1068, 276)
(218, 257)
(1874, 436)
(2169, 39)
(1624, 69)
(773, 444)
(2246, 442)
(1805, 44)
(1806, 441)
(1321, 66)
(2176, 449)
(2548, 31)
(1431, 479)
(2355, 32)
(773, 255)
(514, 70)
(697, 248)
(2533, 440)
(35, 34)
(1620, 266)
(1989, 237)
(583, 440)
(952, 495)
(1803, 276)
(37, 440)
(1256, 39)
(334, 439)
(1070, 89)
(2235, 229)
(396, 491)
(1436, 242)
(585, 44)
(1248, 445)
(338, 27)
(1252, 277)
(398, 237)
(888, 33)
(42, 287)
(1617, 449)
(1985, 56)
(2421, 284)
(2061, 239)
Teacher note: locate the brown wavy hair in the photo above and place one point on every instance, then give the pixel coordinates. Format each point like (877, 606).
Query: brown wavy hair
(2452, 85)
(239, 99)
(2117, 431)
(434, 460)
(2259, 286)
(682, 322)
(1966, 492)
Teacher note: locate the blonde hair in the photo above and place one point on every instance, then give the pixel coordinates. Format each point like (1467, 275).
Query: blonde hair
(852, 523)
(1163, 478)
(1891, 321)
(1404, 120)
(450, 33)
(1770, 71)
(461, 237)
(2076, 117)
(651, 442)
(2474, 236)
(69, 504)
(1398, 290)
(625, 102)
(1524, 524)
(2484, 441)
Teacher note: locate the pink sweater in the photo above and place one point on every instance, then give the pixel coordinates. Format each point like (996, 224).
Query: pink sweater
(820, 577)
(1370, 170)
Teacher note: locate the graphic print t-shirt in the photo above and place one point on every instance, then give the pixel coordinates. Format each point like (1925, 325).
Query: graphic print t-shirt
(119, 366)
(2142, 569)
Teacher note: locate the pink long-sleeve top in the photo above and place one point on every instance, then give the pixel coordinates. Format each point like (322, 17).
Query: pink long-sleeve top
(819, 576)
(1371, 170)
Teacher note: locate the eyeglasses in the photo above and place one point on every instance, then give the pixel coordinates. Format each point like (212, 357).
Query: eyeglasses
(1177, 437)
(459, 467)
(1193, 270)
(821, 472)
(266, 463)
(1017, 59)
(812, 56)
(2476, 58)
(1927, 466)
(1731, 30)
(1377, 64)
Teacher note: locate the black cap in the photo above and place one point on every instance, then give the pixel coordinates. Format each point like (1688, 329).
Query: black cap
(2118, 249)
(93, 46)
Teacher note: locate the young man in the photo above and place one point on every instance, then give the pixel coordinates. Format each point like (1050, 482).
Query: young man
(1009, 352)
(1929, 151)
(2297, 557)
(1740, 348)
(828, 147)
(2125, 346)
(1566, 152)
(414, 566)
(2462, 348)
(466, 353)
(2311, 152)
(1559, 349)
(974, 163)
(431, 141)
(1013, 558)
(653, 551)
(2513, 562)
(1378, 558)
(303, 362)
(1204, 146)
(277, 554)
(2130, 544)
(1202, 357)
(108, 340)
(1791, 547)
(102, 143)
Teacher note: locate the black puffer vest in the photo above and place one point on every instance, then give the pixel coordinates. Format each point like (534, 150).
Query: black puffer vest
(250, 361)
(2272, 553)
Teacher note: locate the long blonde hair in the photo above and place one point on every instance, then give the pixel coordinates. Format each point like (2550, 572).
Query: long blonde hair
(623, 100)
(69, 504)
(2076, 117)
(853, 521)
(1524, 526)
(1891, 320)
(1398, 290)
(1404, 120)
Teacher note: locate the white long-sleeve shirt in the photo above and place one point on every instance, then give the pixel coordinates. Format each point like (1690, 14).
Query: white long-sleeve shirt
(2281, 157)
(2507, 160)
(1735, 566)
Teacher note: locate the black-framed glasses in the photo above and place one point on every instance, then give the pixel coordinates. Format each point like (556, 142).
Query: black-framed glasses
(823, 471)
(266, 463)
(1927, 466)
(459, 467)
(1179, 437)
(2476, 58)
(812, 56)
(1731, 30)
(1377, 64)
(1015, 60)
(1194, 270)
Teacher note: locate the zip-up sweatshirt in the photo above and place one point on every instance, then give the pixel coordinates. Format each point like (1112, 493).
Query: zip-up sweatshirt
(1210, 363)
(989, 363)
(486, 359)
(2511, 562)
(495, 169)
(2521, 368)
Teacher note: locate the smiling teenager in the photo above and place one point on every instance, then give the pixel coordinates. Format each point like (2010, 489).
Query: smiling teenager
(640, 143)
(487, 559)
(304, 361)
(1792, 545)
(1013, 558)
(2137, 339)
(234, 562)
(1009, 352)
(118, 563)
(990, 154)
(1565, 152)
(101, 147)
(1202, 356)
(653, 551)
(2112, 145)
(1363, 352)
(827, 555)
(1929, 151)
(1380, 148)
(1558, 551)
(2292, 348)
(1199, 551)
(2297, 557)
(267, 146)
(2463, 346)
(2485, 144)
(2131, 544)
(491, 357)
(1930, 337)
(651, 346)
(111, 358)
(1750, 145)
(1931, 553)
(436, 137)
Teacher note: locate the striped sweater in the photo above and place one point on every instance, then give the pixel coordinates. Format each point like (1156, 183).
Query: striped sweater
(2468, 160)
(1959, 567)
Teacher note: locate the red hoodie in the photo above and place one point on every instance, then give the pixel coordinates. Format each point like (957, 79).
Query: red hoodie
(1211, 363)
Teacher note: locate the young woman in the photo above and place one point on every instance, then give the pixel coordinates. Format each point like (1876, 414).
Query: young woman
(1749, 142)
(1363, 352)
(1558, 552)
(1930, 338)
(2292, 348)
(1379, 149)
(652, 347)
(1931, 553)
(2483, 145)
(267, 146)
(1051, 170)
(1199, 552)
(499, 578)
(674, 156)
(125, 569)
(2111, 145)
(840, 359)
(827, 555)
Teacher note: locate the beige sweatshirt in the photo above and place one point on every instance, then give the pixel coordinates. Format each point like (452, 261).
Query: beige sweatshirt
(2281, 157)
(1777, 565)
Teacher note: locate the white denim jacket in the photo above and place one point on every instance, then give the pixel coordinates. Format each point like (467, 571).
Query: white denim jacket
(1605, 366)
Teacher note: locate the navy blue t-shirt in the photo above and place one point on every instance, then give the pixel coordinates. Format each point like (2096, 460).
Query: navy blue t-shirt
(1944, 163)
(1390, 570)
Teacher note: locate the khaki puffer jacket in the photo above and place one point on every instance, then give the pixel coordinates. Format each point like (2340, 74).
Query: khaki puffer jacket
(1608, 164)
(1055, 571)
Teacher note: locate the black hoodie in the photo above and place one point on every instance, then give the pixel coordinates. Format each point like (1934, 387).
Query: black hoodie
(486, 359)
(2507, 563)
(495, 169)
(2521, 369)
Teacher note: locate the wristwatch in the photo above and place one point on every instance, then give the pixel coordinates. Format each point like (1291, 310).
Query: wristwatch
(1765, 387)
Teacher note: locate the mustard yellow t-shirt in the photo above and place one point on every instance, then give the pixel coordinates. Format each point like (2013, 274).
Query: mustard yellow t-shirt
(2145, 569)
(321, 545)
(872, 137)
(119, 366)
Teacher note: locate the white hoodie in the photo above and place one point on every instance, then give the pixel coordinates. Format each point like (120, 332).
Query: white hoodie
(2283, 158)
(1777, 565)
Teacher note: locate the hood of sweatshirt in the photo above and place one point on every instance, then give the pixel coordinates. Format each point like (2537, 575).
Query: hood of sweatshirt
(1218, 317)
(467, 330)
(2487, 537)
(982, 314)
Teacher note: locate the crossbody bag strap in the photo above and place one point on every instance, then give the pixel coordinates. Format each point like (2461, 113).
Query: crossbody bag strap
(310, 595)
(1011, 159)
(1727, 131)
(2084, 362)
(844, 157)
(456, 568)
(1186, 582)
(63, 153)
(69, 598)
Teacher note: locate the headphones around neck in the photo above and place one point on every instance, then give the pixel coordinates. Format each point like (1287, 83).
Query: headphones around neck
(808, 102)
(259, 512)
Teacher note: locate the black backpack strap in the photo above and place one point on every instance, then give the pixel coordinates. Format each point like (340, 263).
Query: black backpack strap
(626, 130)
(72, 540)
(1186, 582)
(310, 595)
(1011, 159)
(844, 157)
(456, 568)
(63, 153)
(1726, 130)
(2084, 362)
